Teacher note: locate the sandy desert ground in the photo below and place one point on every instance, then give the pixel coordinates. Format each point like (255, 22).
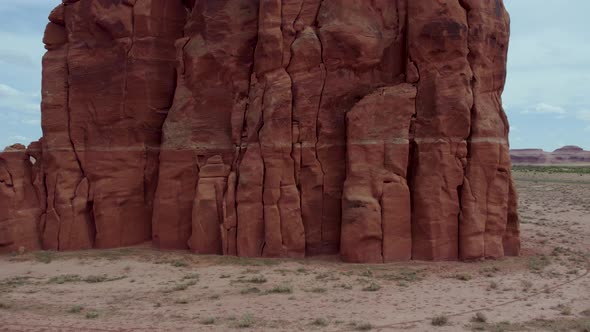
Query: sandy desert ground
(140, 289)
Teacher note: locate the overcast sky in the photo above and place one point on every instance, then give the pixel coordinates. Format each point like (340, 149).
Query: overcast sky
(547, 95)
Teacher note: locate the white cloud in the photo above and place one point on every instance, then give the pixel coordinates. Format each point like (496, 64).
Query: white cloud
(543, 108)
(19, 138)
(8, 91)
(12, 57)
(32, 122)
(583, 115)
(587, 128)
(17, 101)
(22, 49)
(32, 108)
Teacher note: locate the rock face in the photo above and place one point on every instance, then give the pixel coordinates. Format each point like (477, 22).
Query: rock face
(566, 155)
(21, 204)
(278, 128)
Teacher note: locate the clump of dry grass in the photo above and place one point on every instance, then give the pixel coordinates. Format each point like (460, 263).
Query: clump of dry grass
(322, 322)
(91, 315)
(479, 318)
(372, 287)
(363, 326)
(539, 263)
(207, 321)
(440, 320)
(280, 289)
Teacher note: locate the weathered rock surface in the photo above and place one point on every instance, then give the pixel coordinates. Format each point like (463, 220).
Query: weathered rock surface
(108, 81)
(21, 205)
(570, 155)
(278, 128)
(376, 221)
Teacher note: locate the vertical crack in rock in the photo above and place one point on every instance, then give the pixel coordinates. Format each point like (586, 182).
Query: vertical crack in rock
(170, 226)
(250, 169)
(242, 149)
(322, 241)
(124, 100)
(217, 59)
(290, 34)
(318, 129)
(56, 244)
(442, 125)
(485, 196)
(82, 173)
(250, 235)
(159, 27)
(466, 181)
(62, 154)
(43, 221)
(382, 224)
(307, 75)
(284, 233)
(412, 75)
(290, 13)
(242, 138)
(263, 186)
(128, 58)
(69, 116)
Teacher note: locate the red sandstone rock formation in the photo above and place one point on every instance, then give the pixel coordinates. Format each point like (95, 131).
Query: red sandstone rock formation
(21, 205)
(289, 128)
(108, 81)
(377, 220)
(570, 155)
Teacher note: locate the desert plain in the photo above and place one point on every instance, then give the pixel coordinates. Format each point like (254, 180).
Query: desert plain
(138, 288)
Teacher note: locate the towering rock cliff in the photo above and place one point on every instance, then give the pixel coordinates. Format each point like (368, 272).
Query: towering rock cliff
(275, 128)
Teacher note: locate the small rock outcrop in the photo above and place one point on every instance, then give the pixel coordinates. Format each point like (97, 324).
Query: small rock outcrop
(277, 128)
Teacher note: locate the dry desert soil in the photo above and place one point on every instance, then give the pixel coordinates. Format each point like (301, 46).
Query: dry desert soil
(140, 289)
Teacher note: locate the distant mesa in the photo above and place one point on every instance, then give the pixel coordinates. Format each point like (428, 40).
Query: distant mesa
(569, 154)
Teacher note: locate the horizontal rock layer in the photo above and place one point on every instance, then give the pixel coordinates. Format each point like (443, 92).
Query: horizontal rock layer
(271, 128)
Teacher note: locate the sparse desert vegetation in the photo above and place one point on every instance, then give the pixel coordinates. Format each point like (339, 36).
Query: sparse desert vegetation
(136, 289)
(553, 169)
